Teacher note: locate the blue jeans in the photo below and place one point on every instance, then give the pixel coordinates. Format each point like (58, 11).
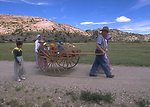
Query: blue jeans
(100, 60)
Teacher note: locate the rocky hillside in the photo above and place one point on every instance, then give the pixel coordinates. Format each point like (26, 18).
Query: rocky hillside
(27, 27)
(118, 35)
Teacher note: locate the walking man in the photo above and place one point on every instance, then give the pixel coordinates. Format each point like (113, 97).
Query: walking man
(100, 59)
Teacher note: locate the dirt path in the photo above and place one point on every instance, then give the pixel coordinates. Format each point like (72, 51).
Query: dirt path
(135, 80)
(125, 77)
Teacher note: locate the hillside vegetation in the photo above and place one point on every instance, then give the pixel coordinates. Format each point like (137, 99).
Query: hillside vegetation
(27, 27)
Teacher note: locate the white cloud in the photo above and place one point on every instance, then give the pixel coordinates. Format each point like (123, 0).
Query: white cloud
(77, 25)
(85, 23)
(140, 27)
(27, 2)
(35, 3)
(123, 19)
(5, 0)
(140, 30)
(124, 28)
(41, 3)
(53, 18)
(141, 3)
(95, 23)
(13, 1)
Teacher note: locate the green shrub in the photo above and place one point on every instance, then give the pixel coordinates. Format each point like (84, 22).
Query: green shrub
(13, 103)
(143, 103)
(74, 96)
(96, 97)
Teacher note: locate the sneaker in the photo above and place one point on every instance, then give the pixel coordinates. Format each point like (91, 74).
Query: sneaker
(23, 78)
(110, 76)
(19, 80)
(92, 75)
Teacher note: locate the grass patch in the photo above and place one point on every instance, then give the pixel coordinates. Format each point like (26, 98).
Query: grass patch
(91, 97)
(143, 103)
(74, 96)
(130, 54)
(19, 88)
(13, 103)
(96, 97)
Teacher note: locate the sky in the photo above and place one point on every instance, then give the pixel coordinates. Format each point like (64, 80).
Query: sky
(126, 15)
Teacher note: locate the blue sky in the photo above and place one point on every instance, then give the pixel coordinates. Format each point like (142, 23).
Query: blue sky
(126, 15)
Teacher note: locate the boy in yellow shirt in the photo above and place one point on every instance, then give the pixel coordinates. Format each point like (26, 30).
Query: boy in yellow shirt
(18, 62)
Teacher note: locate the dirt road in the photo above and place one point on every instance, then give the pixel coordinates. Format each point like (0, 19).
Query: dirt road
(133, 80)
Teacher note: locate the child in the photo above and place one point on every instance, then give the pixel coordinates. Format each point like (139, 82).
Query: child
(52, 45)
(18, 62)
(60, 45)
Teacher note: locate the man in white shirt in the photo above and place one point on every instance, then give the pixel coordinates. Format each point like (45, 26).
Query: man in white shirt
(37, 44)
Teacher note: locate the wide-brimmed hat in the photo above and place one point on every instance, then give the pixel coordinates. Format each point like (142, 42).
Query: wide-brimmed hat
(105, 28)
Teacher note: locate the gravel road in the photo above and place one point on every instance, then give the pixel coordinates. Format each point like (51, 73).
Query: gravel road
(133, 81)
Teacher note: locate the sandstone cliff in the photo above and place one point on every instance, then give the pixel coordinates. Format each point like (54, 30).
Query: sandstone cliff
(27, 27)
